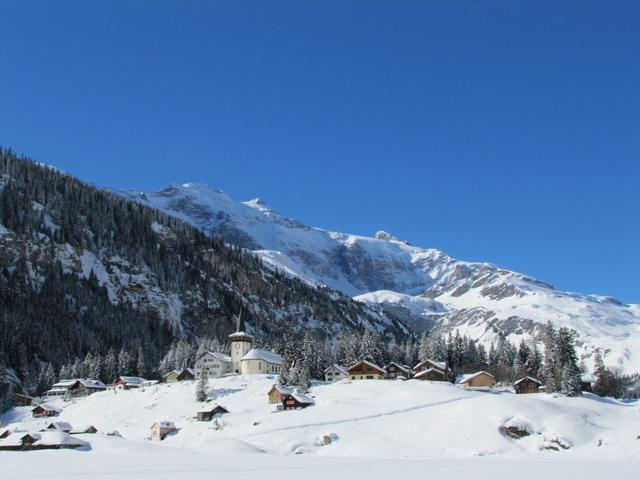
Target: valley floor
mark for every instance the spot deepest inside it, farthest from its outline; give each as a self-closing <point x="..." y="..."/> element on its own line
<point x="379" y="428"/>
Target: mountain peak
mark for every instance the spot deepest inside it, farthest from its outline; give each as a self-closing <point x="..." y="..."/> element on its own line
<point x="382" y="235"/>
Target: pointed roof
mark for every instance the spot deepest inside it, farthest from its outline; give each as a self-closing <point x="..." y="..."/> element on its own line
<point x="264" y="355"/>
<point x="367" y="362"/>
<point x="468" y="376"/>
<point x="535" y="380"/>
<point x="340" y="368"/>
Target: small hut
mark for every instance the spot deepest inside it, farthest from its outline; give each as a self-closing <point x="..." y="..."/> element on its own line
<point x="395" y="370"/>
<point x="365" y="370"/>
<point x="206" y="414"/>
<point x="59" y="427"/>
<point x="527" y="385"/>
<point x="160" y="430"/>
<point x="277" y="393"/>
<point x="294" y="401"/>
<point x="85" y="429"/>
<point x="180" y="375"/>
<point x="478" y="379"/>
<point x="45" y="410"/>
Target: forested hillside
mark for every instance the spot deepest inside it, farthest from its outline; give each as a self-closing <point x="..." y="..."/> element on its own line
<point x="83" y="270"/>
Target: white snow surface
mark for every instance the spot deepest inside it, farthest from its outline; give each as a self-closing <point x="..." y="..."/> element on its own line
<point x="428" y="285"/>
<point x="391" y="427"/>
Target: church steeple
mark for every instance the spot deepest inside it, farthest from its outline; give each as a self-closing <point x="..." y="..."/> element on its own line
<point x="240" y="343"/>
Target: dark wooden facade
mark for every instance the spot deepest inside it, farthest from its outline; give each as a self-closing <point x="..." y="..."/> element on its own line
<point x="365" y="371"/>
<point x="290" y="402"/>
<point x="395" y="370"/>
<point x="527" y="385"/>
<point x="206" y="415"/>
<point x="44" y="411"/>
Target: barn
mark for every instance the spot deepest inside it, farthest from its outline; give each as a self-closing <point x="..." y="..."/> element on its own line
<point x="294" y="401"/>
<point x="527" y="385"/>
<point x="206" y="414"/>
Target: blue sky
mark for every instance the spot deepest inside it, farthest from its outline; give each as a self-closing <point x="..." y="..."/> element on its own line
<point x="506" y="132"/>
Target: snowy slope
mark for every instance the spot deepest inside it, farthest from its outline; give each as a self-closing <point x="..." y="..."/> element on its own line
<point x="376" y="420"/>
<point x="425" y="287"/>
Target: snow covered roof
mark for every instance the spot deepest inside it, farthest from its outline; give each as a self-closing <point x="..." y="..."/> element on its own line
<point x="48" y="438"/>
<point x="282" y="389"/>
<point x="179" y="371"/>
<point x="424" y="372"/>
<point x="340" y="368"/>
<point x="240" y="334"/>
<point x="45" y="406"/>
<point x="406" y="368"/>
<point x="83" y="429"/>
<point x="468" y="376"/>
<point x="265" y="355"/>
<point x="527" y="378"/>
<point x="58" y="438"/>
<point x="440" y="365"/>
<point x="220" y="356"/>
<point x="92" y="383"/>
<point x="587" y="378"/>
<point x="211" y="408"/>
<point x="367" y="362"/>
<point x="302" y="398"/>
<point x="64" y="384"/>
<point x="132" y="380"/>
<point x="59" y="426"/>
<point x="164" y="424"/>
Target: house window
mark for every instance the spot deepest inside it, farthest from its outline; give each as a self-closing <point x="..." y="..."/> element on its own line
<point x="369" y="377"/>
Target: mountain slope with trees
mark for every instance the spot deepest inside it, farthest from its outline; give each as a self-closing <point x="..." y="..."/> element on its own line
<point x="85" y="271"/>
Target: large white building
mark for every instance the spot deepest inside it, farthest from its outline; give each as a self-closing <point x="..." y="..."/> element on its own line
<point x="214" y="364"/>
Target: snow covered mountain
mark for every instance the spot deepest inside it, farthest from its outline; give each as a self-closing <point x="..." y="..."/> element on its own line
<point x="425" y="287"/>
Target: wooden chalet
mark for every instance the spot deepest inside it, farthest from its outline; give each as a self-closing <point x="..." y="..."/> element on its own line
<point x="180" y="375"/>
<point x="294" y="401"/>
<point x="41" y="441"/>
<point x="160" y="430"/>
<point x="395" y="370"/>
<point x="527" y="385"/>
<point x="21" y="400"/>
<point x="86" y="429"/>
<point x="432" y="375"/>
<point x="128" y="383"/>
<point x="277" y="393"/>
<point x="438" y="371"/>
<point x="73" y="388"/>
<point x="475" y="380"/>
<point x="59" y="427"/>
<point x="206" y="414"/>
<point x="365" y="370"/>
<point x="45" y="410"/>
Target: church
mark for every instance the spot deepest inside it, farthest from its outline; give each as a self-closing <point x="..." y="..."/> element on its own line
<point x="244" y="359"/>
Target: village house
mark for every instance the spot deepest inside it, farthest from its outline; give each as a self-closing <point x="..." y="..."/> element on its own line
<point x="128" y="383"/>
<point x="335" y="373"/>
<point x="432" y="375"/>
<point x="475" y="380"/>
<point x="180" y="375"/>
<point x="41" y="441"/>
<point x="437" y="371"/>
<point x="77" y="387"/>
<point x="277" y="393"/>
<point x="207" y="413"/>
<point x="45" y="410"/>
<point x="395" y="370"/>
<point x="213" y="364"/>
<point x="10" y="431"/>
<point x="587" y="381"/>
<point x="83" y="430"/>
<point x="21" y="400"/>
<point x="365" y="370"/>
<point x="294" y="401"/>
<point x="160" y="430"/>
<point x="59" y="427"/>
<point x="527" y="385"/>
